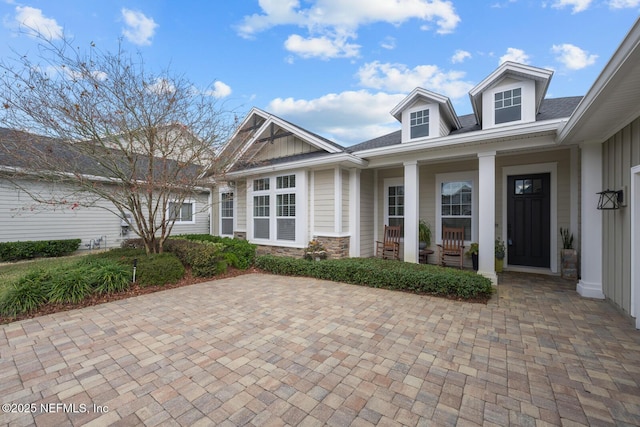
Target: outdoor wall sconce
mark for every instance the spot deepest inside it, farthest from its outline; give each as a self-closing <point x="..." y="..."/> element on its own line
<point x="611" y="199"/>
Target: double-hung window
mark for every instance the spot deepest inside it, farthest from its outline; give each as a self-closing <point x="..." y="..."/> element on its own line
<point x="508" y="106"/>
<point x="456" y="203"/>
<point x="275" y="209"/>
<point x="226" y="213"/>
<point x="394" y="203"/>
<point x="419" y="123"/>
<point x="182" y="212"/>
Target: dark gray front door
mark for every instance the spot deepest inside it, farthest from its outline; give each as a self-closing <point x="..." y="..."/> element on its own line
<point x="528" y="220"/>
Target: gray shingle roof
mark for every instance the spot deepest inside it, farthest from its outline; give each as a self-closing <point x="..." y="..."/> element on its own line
<point x="553" y="108"/>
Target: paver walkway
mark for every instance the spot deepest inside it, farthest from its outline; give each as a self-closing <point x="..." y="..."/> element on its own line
<point x="269" y="350"/>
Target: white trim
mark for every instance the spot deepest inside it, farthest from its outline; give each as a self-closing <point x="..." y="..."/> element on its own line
<point x="391" y="182"/>
<point x="329" y="159"/>
<point x="193" y="211"/>
<point x="354" y="212"/>
<point x="552" y="170"/>
<point x="337" y="206"/>
<point x="457" y="176"/>
<point x="312" y="202"/>
<point x="376" y="205"/>
<point x="221" y="190"/>
<point x="411" y="211"/>
<point x="634" y="202"/>
<point x="329" y="234"/>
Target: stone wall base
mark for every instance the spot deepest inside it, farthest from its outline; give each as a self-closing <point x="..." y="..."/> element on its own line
<point x="337" y="247"/>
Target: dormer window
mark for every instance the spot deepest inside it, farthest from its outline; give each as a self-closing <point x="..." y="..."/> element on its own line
<point x="508" y="106"/>
<point x="419" y="123"/>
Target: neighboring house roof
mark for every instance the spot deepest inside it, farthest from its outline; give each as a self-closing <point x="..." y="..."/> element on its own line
<point x="554" y="108"/>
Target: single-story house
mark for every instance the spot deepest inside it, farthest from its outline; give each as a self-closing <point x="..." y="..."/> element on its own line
<point x="518" y="169"/>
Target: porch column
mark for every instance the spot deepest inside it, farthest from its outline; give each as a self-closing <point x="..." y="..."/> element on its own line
<point x="411" y="211"/>
<point x="354" y="212"/>
<point x="487" y="215"/>
<point x="590" y="284"/>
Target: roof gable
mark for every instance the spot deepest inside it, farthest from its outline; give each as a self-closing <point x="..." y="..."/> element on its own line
<point x="420" y="94"/>
<point x="513" y="70"/>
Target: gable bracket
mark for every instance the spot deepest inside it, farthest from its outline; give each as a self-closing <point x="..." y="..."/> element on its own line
<point x="274" y="135"/>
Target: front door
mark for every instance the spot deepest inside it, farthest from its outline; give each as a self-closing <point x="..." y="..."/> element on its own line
<point x="528" y="220"/>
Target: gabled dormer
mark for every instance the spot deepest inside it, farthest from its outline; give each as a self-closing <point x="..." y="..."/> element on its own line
<point x="510" y="95"/>
<point x="425" y="115"/>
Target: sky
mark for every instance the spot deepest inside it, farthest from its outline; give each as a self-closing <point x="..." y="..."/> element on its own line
<point x="337" y="67"/>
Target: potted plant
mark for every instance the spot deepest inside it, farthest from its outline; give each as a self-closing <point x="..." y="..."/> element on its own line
<point x="424" y="234"/>
<point x="315" y="251"/>
<point x="473" y="253"/>
<point x="568" y="255"/>
<point x="499" y="252"/>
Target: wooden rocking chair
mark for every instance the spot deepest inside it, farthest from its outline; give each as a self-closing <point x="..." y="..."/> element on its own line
<point x="452" y="245"/>
<point x="390" y="247"/>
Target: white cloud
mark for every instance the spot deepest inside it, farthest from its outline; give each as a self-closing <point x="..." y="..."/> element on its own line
<point x="220" y="90"/>
<point x="161" y="86"/>
<point x="577" y="5"/>
<point x="400" y="78"/>
<point x="515" y="55"/>
<point x="460" y="56"/>
<point x="34" y="22"/>
<point x="321" y="47"/>
<point x="139" y="28"/>
<point x="333" y="22"/>
<point x="388" y="43"/>
<point x="622" y="4"/>
<point x="573" y="57"/>
<point x="354" y="116"/>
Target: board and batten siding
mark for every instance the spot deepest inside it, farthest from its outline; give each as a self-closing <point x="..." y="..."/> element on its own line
<point x="283" y="147"/>
<point x="324" y="201"/>
<point x="21" y="219"/>
<point x="620" y="153"/>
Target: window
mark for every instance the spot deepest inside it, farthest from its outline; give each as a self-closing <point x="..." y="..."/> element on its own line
<point x="261" y="217"/>
<point x="275" y="213"/>
<point x="226" y="214"/>
<point x="456" y="205"/>
<point x="182" y="212"/>
<point x="419" y="123"/>
<point x="508" y="106"/>
<point x="394" y="203"/>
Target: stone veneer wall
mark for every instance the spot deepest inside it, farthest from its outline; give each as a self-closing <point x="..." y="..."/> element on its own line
<point x="337" y="247"/>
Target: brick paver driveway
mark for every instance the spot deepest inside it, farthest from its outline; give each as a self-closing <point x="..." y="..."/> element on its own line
<point x="268" y="350"/>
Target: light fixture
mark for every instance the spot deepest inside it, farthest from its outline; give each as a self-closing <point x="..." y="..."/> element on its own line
<point x="611" y="199"/>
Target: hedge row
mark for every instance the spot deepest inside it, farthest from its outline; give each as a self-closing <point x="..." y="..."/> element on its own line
<point x="386" y="274"/>
<point x="238" y="253"/>
<point x="15" y="251"/>
<point x="205" y="258"/>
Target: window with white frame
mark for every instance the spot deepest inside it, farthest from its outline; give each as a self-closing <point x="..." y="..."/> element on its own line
<point x="280" y="223"/>
<point x="508" y="106"/>
<point x="419" y="123"/>
<point x="394" y="203"/>
<point x="182" y="212"/>
<point x="456" y="205"/>
<point x="226" y="213"/>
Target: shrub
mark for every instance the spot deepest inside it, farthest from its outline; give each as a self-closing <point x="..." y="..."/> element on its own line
<point x="238" y="253"/>
<point x="25" y="295"/>
<point x="159" y="269"/>
<point x="384" y="274"/>
<point x="14" y="251"/>
<point x="105" y="275"/>
<point x="69" y="284"/>
<point x="205" y="257"/>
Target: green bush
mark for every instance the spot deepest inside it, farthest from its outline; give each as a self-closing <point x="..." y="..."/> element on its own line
<point x="69" y="284"/>
<point x="159" y="269"/>
<point x="25" y="295"/>
<point x="205" y="257"/>
<point x="15" y="251"/>
<point x="238" y="253"/>
<point x="383" y="274"/>
<point x="106" y="275"/>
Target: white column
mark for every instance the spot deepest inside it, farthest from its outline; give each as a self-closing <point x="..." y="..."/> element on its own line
<point x="487" y="215"/>
<point x="354" y="212"/>
<point x="411" y="210"/>
<point x="590" y="284"/>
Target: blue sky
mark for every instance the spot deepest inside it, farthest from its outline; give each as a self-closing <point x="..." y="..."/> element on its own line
<point x="338" y="67"/>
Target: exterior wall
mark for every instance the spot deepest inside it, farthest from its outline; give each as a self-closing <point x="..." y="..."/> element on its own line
<point x="324" y="201"/>
<point x="367" y="186"/>
<point x="22" y="220"/>
<point x="345" y="201"/>
<point x="337" y="247"/>
<point x="283" y="147"/>
<point x="241" y="206"/>
<point x="621" y="152"/>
